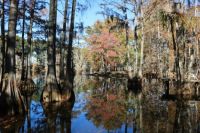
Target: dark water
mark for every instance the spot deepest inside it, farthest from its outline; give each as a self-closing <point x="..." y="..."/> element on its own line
<point x="107" y="106"/>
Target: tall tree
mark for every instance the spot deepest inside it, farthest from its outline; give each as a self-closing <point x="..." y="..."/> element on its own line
<point x="11" y="102"/>
<point x="63" y="39"/>
<point x="29" y="39"/>
<point x="3" y="39"/>
<point x="142" y="40"/>
<point x="172" y="20"/>
<point x="70" y="50"/>
<point x="51" y="92"/>
<point x="23" y="40"/>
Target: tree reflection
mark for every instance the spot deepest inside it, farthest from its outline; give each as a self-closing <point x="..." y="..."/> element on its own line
<point x="65" y="116"/>
<point x="134" y="109"/>
<point x="186" y="117"/>
<point x="28" y="115"/>
<point x="179" y="115"/>
<point x="58" y="116"/>
<point x="107" y="104"/>
<point x="107" y="110"/>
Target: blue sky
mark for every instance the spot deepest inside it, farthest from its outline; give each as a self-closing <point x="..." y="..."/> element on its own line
<point x="88" y="17"/>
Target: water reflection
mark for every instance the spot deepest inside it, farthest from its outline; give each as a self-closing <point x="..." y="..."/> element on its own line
<point x="178" y="115"/>
<point x="58" y="117"/>
<point x="52" y="118"/>
<point x="28" y="116"/>
<point x="110" y="105"/>
<point x="186" y="117"/>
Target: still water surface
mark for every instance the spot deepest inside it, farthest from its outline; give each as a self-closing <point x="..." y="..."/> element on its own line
<point x="107" y="106"/>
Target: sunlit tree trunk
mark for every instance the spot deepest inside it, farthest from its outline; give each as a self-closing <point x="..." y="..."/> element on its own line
<point x="29" y="40"/>
<point x="141" y="51"/>
<point x="70" y="50"/>
<point x="63" y="39"/>
<point x="160" y="66"/>
<point x="10" y="99"/>
<point x="23" y="30"/>
<point x="136" y="51"/>
<point x="142" y="43"/>
<point x="51" y="92"/>
<point x="66" y="81"/>
<point x="136" y="60"/>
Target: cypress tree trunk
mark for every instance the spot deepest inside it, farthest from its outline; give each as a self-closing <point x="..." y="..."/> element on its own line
<point x="142" y="43"/>
<point x="29" y="40"/>
<point x="3" y="41"/>
<point x="62" y="44"/>
<point x="136" y="51"/>
<point x="10" y="100"/>
<point x="51" y="92"/>
<point x="23" y="28"/>
<point x="27" y="86"/>
<point x="176" y="52"/>
<point x="141" y="51"/>
<point x="66" y="85"/>
<point x="70" y="50"/>
<point x="136" y="60"/>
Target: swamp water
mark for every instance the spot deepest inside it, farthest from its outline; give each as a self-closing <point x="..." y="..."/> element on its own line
<point x="105" y="105"/>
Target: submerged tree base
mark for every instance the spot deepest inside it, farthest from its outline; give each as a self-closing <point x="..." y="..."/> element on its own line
<point x="51" y="92"/>
<point x="66" y="90"/>
<point x="11" y="102"/>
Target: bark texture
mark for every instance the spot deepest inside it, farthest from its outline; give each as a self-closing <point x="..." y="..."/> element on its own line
<point x="70" y="72"/>
<point x="11" y="102"/>
<point x="51" y="92"/>
<point x="62" y="44"/>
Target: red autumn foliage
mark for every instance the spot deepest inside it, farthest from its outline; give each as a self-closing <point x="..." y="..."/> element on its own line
<point x="104" y="44"/>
